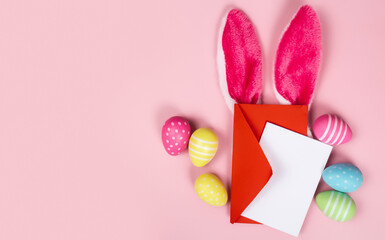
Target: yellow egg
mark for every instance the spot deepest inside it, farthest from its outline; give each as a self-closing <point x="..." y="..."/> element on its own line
<point x="211" y="190"/>
<point x="202" y="146"/>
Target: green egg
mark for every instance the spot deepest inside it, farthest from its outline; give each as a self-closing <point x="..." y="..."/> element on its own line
<point x="336" y="205"/>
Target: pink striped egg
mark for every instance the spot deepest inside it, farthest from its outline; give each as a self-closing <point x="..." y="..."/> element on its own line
<point x="175" y="135"/>
<point x="332" y="130"/>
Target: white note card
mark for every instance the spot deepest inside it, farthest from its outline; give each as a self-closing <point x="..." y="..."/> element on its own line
<point x="297" y="162"/>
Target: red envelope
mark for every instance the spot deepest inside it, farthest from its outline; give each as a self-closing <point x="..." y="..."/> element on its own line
<point x="250" y="169"/>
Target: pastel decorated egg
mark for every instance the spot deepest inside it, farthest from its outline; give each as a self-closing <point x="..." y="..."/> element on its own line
<point x="336" y="205"/>
<point x="343" y="177"/>
<point x="332" y="130"/>
<point x="175" y="135"/>
<point x="202" y="146"/>
<point x="211" y="190"/>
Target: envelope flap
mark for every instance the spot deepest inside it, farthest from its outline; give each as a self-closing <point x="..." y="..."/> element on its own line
<point x="248" y="161"/>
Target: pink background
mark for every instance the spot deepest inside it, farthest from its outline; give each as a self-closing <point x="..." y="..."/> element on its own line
<point x="85" y="87"/>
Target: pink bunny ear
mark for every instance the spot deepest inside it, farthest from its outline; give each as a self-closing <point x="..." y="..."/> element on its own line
<point x="242" y="54"/>
<point x="298" y="58"/>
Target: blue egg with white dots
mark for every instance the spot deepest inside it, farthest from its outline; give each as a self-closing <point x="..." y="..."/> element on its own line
<point x="343" y="177"/>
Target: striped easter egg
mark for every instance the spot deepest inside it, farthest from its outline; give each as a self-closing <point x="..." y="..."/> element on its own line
<point x="336" y="205"/>
<point x="332" y="130"/>
<point x="202" y="146"/>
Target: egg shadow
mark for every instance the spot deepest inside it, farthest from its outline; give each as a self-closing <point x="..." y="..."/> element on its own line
<point x="195" y="172"/>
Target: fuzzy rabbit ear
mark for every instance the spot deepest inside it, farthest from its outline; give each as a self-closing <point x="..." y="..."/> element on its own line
<point x="298" y="59"/>
<point x="239" y="60"/>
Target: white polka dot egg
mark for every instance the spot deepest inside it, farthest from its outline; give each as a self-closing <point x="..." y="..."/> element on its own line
<point x="343" y="177"/>
<point x="211" y="190"/>
<point x="175" y="135"/>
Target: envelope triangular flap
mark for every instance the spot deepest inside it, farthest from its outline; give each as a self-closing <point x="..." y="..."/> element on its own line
<point x="248" y="161"/>
<point x="250" y="168"/>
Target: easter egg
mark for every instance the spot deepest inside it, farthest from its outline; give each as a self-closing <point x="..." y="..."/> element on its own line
<point x="332" y="130"/>
<point x="211" y="190"/>
<point x="175" y="135"/>
<point x="336" y="205"/>
<point x="343" y="177"/>
<point x="202" y="146"/>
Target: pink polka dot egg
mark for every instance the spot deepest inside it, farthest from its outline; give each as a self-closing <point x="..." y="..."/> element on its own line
<point x="332" y="130"/>
<point x="175" y="135"/>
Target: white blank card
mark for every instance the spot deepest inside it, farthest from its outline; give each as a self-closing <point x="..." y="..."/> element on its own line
<point x="297" y="162"/>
